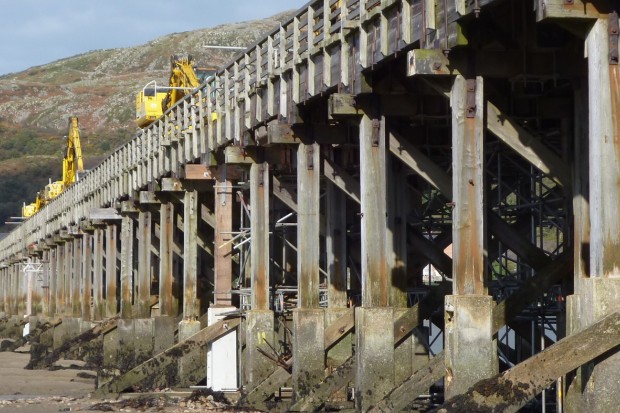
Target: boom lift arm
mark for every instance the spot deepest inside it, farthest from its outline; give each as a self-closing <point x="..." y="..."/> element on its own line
<point x="153" y="100"/>
<point x="72" y="164"/>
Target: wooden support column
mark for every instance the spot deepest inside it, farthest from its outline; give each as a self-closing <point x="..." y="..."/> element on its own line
<point x="21" y="289"/>
<point x="45" y="276"/>
<point x="396" y="242"/>
<point x="581" y="240"/>
<point x="336" y="246"/>
<point x="126" y="241"/>
<point x="111" y="271"/>
<point x="308" y="224"/>
<point x="260" y="320"/>
<point x="373" y="190"/>
<point x="53" y="277"/>
<point x="98" y="305"/>
<point x="86" y="280"/>
<point x="68" y="277"/>
<point x="143" y="324"/>
<point x="168" y="303"/>
<point x="375" y="347"/>
<point x="308" y="318"/>
<point x="60" y="278"/>
<point x="143" y="301"/>
<point x="259" y="232"/>
<point x="223" y="248"/>
<point x="125" y="347"/>
<point x="601" y="292"/>
<point x="2" y="292"/>
<point x="77" y="275"/>
<point x="191" y="305"/>
<point x="468" y="230"/>
<point x="166" y="325"/>
<point x="469" y="357"/>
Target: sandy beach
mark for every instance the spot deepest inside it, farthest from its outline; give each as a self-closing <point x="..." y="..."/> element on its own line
<point x="67" y="388"/>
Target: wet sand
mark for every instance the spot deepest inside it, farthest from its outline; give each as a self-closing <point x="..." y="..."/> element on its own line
<point x="68" y="388"/>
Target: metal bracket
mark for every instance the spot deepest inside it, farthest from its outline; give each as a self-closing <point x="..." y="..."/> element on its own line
<point x="614" y="30"/>
<point x="470" y="110"/>
<point x="376" y="127"/>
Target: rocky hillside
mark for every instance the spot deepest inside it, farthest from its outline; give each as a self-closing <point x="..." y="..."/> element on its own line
<point x="99" y="87"/>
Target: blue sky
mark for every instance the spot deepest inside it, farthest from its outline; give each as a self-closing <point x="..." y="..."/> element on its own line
<point x="35" y="32"/>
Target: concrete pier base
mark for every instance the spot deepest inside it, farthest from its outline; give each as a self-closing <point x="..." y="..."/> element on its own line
<point x="308" y="350"/>
<point x="342" y="350"/>
<point x="68" y="329"/>
<point x="143" y="339"/>
<point x="260" y="331"/>
<point x="110" y="363"/>
<point x="91" y="350"/>
<point x="222" y="366"/>
<point x="165" y="328"/>
<point x="12" y="328"/>
<point x="600" y="379"/>
<point x="574" y="382"/>
<point x="471" y="353"/>
<point x="126" y="345"/>
<point x="375" y="355"/>
<point x="410" y="354"/>
<point x="192" y="365"/>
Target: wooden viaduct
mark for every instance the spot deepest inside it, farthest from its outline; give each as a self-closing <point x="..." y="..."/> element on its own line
<point x="379" y="197"/>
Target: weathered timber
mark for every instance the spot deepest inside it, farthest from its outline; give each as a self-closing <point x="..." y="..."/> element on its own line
<point x="33" y="335"/>
<point x="413" y="316"/>
<point x="573" y="9"/>
<point x="398" y="399"/>
<point x="471" y="353"/>
<point x="260" y="395"/>
<point x="308" y="220"/>
<point x="403" y="326"/>
<point x="287" y="195"/>
<point x="259" y="199"/>
<point x="440" y="179"/>
<point x="503" y="313"/>
<point x="512" y="389"/>
<point x="342" y="179"/>
<point x="151" y="370"/>
<point x="339" y="328"/>
<point x="527" y="145"/>
<point x="434" y="62"/>
<point x="531" y="289"/>
<point x="72" y="345"/>
<point x="319" y="395"/>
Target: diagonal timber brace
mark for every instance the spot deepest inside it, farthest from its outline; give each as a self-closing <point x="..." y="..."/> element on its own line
<point x="145" y="374"/>
<point x="74" y="344"/>
<point x="512" y="389"/>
